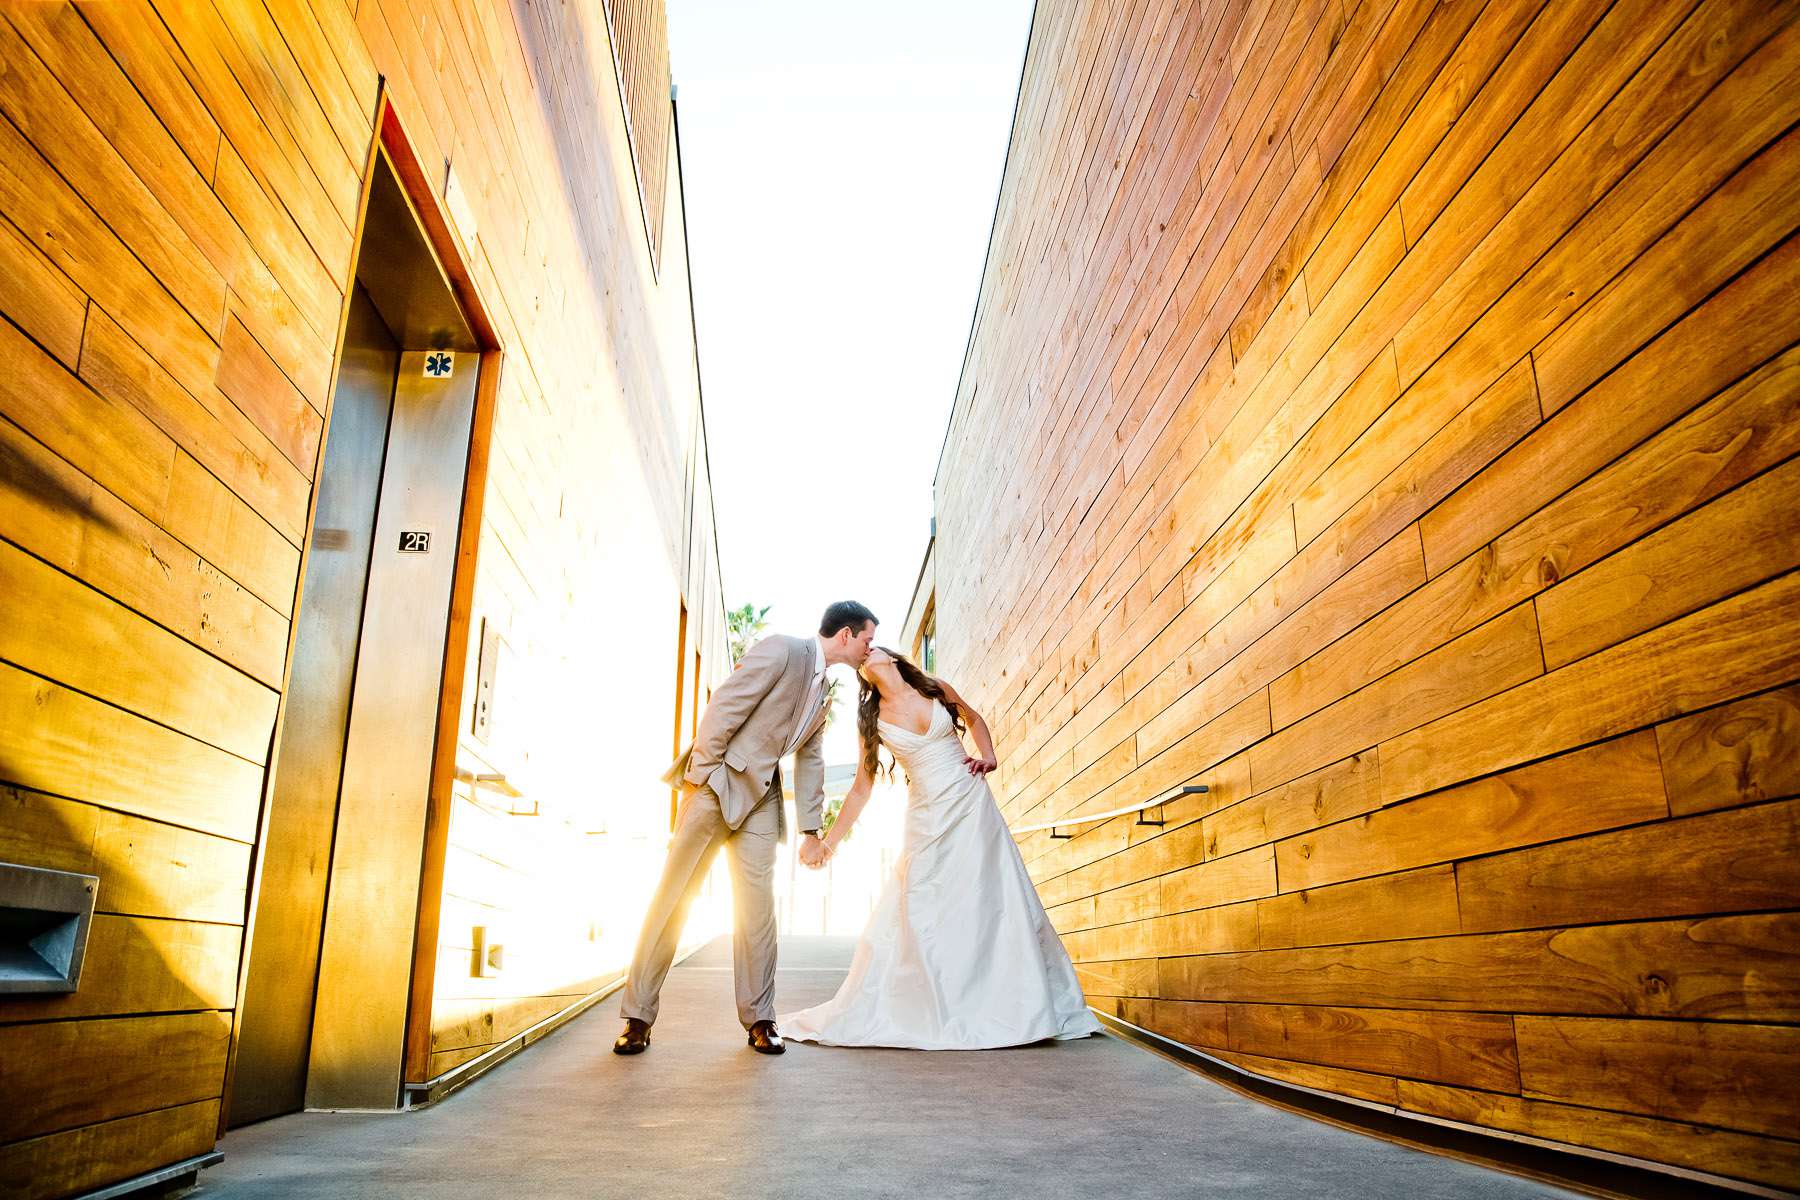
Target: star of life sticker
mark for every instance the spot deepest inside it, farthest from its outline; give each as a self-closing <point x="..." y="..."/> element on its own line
<point x="440" y="364"/>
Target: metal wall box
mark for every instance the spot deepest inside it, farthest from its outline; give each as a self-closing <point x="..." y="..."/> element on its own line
<point x="44" y="920"/>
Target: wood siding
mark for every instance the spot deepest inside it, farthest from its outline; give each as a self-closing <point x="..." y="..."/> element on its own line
<point x="179" y="198"/>
<point x="1384" y="412"/>
<point x="640" y="38"/>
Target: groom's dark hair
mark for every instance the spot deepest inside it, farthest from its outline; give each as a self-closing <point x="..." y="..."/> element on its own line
<point x="845" y="614"/>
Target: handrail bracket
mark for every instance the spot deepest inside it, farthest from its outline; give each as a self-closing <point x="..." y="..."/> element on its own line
<point x="1143" y="817"/>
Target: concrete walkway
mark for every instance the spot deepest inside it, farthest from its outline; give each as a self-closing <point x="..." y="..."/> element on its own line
<point x="701" y="1115"/>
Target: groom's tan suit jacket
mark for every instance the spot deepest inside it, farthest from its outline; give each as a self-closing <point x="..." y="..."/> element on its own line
<point x="751" y="721"/>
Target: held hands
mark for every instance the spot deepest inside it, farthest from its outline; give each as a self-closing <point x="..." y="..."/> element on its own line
<point x="979" y="764"/>
<point x="813" y="852"/>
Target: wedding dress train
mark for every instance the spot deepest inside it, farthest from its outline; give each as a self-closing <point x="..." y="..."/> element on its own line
<point x="958" y="954"/>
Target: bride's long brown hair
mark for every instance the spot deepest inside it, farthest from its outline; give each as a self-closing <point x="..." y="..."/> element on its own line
<point x="868" y="707"/>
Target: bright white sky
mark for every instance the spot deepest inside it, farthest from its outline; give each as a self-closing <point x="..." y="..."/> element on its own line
<point x="841" y="162"/>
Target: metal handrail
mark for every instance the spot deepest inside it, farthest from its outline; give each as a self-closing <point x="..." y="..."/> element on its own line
<point x="1091" y="818"/>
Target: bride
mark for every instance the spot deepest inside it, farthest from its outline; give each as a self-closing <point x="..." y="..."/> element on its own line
<point x="958" y="954"/>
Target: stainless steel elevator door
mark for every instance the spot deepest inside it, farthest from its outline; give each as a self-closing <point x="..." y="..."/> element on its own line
<point x="277" y="1007"/>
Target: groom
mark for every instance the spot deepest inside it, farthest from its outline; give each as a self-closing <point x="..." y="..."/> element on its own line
<point x="773" y="705"/>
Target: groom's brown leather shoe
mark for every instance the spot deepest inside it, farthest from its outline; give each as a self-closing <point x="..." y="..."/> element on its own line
<point x="635" y="1039"/>
<point x="765" y="1039"/>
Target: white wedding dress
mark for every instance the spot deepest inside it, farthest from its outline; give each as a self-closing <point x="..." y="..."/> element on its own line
<point x="958" y="954"/>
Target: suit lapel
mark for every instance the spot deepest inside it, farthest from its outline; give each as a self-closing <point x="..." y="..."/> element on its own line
<point x="798" y="681"/>
<point x="812" y="726"/>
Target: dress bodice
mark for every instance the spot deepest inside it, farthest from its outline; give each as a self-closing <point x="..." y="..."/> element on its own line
<point x="928" y="757"/>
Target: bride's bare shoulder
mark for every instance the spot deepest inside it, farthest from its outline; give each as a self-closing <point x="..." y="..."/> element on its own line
<point x="953" y="698"/>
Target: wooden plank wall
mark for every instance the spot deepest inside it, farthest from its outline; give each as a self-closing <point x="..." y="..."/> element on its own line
<point x="598" y="475"/>
<point x="175" y="236"/>
<point x="640" y="33"/>
<point x="179" y="186"/>
<point x="1385" y="413"/>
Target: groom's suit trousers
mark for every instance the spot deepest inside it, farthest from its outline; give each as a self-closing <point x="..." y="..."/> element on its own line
<point x="700" y="830"/>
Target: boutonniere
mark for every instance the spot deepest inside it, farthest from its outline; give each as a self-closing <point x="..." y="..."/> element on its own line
<point x="831" y="696"/>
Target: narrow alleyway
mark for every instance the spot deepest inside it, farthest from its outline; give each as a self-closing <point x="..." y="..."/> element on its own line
<point x="700" y="1115"/>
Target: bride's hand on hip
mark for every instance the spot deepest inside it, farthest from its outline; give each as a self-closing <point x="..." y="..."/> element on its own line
<point x="979" y="765"/>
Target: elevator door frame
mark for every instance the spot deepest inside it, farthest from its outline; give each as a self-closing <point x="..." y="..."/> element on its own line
<point x="392" y="145"/>
<point x="276" y="1005"/>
